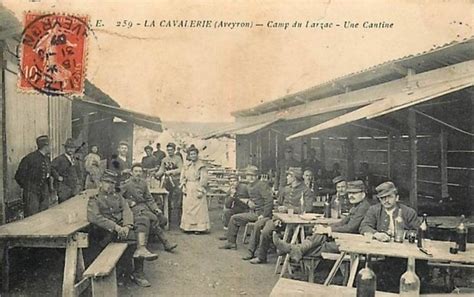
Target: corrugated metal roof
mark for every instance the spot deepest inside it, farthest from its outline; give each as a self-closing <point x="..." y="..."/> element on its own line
<point x="438" y="56"/>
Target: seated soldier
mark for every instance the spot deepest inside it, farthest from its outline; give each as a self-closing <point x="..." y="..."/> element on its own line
<point x="319" y="242"/>
<point x="380" y="218"/>
<point x="145" y="211"/>
<point x="341" y="194"/>
<point x="296" y="196"/>
<point x="112" y="220"/>
<point x="260" y="204"/>
<point x="233" y="204"/>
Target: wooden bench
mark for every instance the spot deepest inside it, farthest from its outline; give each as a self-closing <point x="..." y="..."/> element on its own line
<point x="310" y="264"/>
<point x="102" y="271"/>
<point x="247" y="231"/>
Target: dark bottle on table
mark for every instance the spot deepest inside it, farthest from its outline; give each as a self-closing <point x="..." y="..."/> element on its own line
<point x="422" y="231"/>
<point x="366" y="281"/>
<point x="327" y="209"/>
<point x="461" y="235"/>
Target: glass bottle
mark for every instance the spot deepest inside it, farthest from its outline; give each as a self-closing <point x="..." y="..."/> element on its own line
<point x="366" y="281"/>
<point x="327" y="209"/>
<point x="461" y="235"/>
<point x="409" y="281"/>
<point x="422" y="231"/>
<point x="336" y="207"/>
<point x="399" y="228"/>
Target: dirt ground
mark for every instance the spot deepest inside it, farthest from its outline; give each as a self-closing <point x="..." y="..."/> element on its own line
<point x="197" y="268"/>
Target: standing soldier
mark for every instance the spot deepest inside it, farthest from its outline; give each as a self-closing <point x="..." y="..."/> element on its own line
<point x="112" y="220"/>
<point x="159" y="154"/>
<point x="170" y="172"/>
<point x="65" y="172"/>
<point x="149" y="162"/>
<point x="34" y="176"/>
<point x="145" y="210"/>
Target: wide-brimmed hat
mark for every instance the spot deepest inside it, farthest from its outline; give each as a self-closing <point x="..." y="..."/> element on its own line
<point x="109" y="176"/>
<point x="338" y="179"/>
<point x="251" y="170"/>
<point x="297" y="172"/>
<point x="70" y="143"/>
<point x="385" y="189"/>
<point x="355" y="186"/>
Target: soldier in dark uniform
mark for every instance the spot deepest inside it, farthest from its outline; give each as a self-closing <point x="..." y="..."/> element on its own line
<point x="34" y="177"/>
<point x="159" y="154"/>
<point x="65" y="171"/>
<point x="260" y="204"/>
<point x="170" y="171"/>
<point x="149" y="162"/>
<point x="120" y="162"/>
<point x="284" y="165"/>
<point x="112" y="220"/>
<point x="233" y="204"/>
<point x="146" y="212"/>
<point x="341" y="194"/>
<point x="297" y="196"/>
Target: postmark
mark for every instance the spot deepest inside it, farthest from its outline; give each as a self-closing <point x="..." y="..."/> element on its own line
<point x="53" y="54"/>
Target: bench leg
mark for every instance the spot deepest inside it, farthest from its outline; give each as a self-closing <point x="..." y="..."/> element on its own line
<point x="4" y="261"/>
<point x="70" y="268"/>
<point x="105" y="286"/>
<point x="334" y="269"/>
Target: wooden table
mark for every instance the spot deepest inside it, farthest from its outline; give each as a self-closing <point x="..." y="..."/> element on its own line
<point x="296" y="224"/>
<point x="356" y="245"/>
<point x="449" y="222"/>
<point x="163" y="193"/>
<point x="57" y="227"/>
<point x="293" y="288"/>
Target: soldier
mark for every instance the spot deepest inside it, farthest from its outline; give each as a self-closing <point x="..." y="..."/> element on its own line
<point x="319" y="242"/>
<point x="65" y="171"/>
<point x="34" y="177"/>
<point x="159" y="154"/>
<point x="233" y="204"/>
<point x="170" y="171"/>
<point x="297" y="196"/>
<point x="341" y="194"/>
<point x="149" y="162"/>
<point x="308" y="178"/>
<point x="112" y="220"/>
<point x="280" y="178"/>
<point x="260" y="204"/>
<point x="120" y="163"/>
<point x="146" y="212"/>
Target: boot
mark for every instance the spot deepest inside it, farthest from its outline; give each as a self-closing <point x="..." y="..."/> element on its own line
<point x="142" y="251"/>
<point x="169" y="247"/>
<point x="248" y="255"/>
<point x="138" y="276"/>
<point x="282" y="247"/>
<point x="299" y="250"/>
<point x="228" y="246"/>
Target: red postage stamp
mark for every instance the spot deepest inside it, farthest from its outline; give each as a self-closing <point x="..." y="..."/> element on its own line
<point x="53" y="53"/>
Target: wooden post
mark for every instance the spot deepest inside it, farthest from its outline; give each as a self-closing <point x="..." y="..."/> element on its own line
<point x="443" y="139"/>
<point x="470" y="191"/>
<point x="390" y="156"/>
<point x="3" y="133"/>
<point x="350" y="158"/>
<point x="323" y="153"/>
<point x="413" y="159"/>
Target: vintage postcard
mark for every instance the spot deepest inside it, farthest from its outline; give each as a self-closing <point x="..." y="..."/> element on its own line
<point x="236" y="148"/>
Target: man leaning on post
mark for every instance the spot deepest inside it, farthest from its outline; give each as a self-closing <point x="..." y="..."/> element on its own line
<point x="260" y="204"/>
<point x="112" y="220"/>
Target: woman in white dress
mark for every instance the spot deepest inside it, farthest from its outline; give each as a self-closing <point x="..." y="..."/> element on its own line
<point x="92" y="166"/>
<point x="193" y="181"/>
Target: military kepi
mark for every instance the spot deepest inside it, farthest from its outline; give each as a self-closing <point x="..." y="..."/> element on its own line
<point x="297" y="172"/>
<point x="109" y="176"/>
<point x="338" y="179"/>
<point x="385" y="189"/>
<point x="42" y="141"/>
<point x="355" y="186"/>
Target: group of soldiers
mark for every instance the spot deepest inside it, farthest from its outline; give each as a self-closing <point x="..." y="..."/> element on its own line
<point x="122" y="210"/>
<point x="252" y="201"/>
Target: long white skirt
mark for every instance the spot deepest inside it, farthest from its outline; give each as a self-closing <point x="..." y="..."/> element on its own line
<point x="195" y="213"/>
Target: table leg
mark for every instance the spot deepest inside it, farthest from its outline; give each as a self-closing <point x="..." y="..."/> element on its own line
<point x="302" y="234"/>
<point x="285" y="239"/>
<point x="70" y="268"/>
<point x="355" y="258"/>
<point x="5" y="266"/>
<point x="334" y="269"/>
<point x="166" y="211"/>
<point x="294" y="238"/>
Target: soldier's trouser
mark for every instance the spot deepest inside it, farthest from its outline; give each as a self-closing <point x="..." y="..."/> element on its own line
<point x="315" y="245"/>
<point x="175" y="205"/>
<point x="229" y="212"/>
<point x="256" y="232"/>
<point x="266" y="239"/>
<point x="144" y="220"/>
<point x="35" y="201"/>
<point x="237" y="221"/>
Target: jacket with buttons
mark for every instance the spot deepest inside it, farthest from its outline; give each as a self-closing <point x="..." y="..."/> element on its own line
<point x="351" y="223"/>
<point x="377" y="219"/>
<point x="33" y="172"/>
<point x="298" y="198"/>
<point x="109" y="211"/>
<point x="138" y="196"/>
<point x="261" y="194"/>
